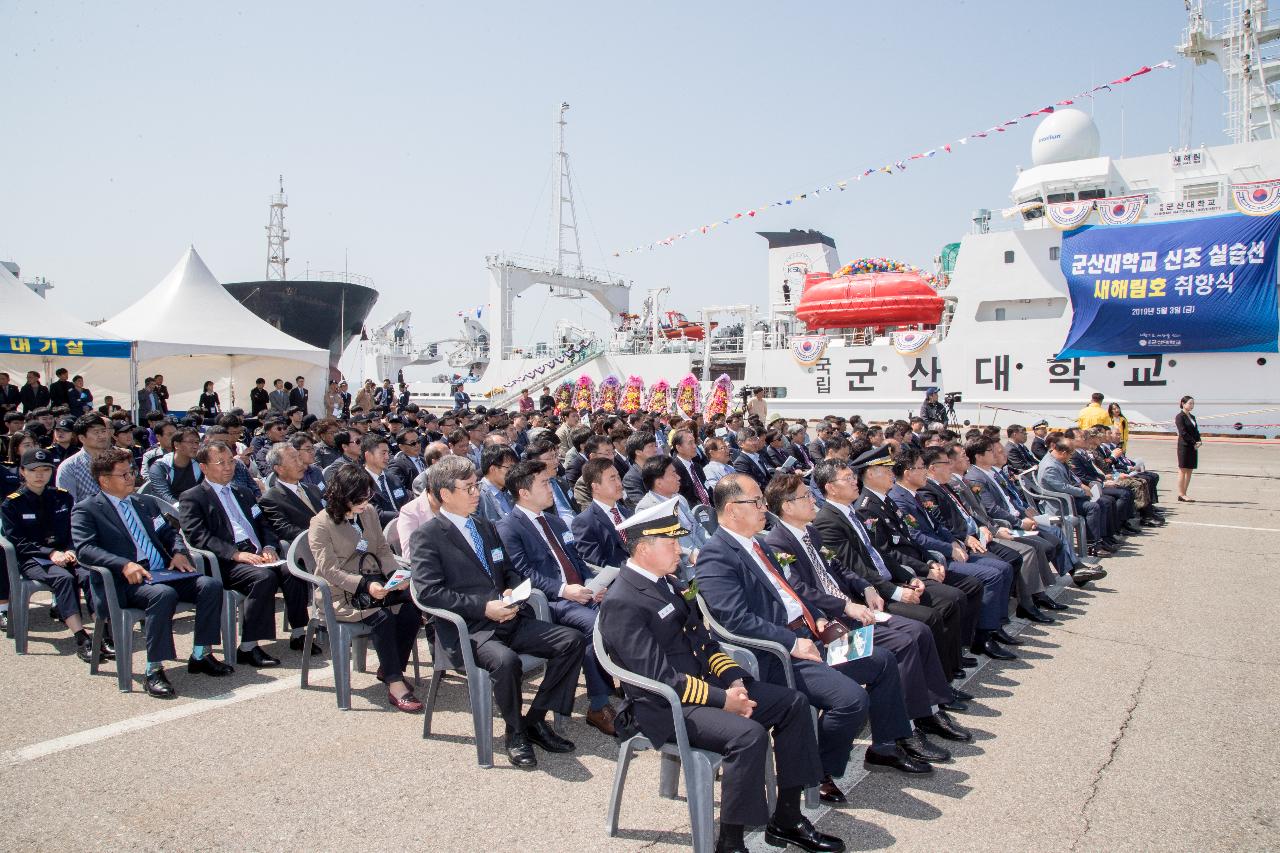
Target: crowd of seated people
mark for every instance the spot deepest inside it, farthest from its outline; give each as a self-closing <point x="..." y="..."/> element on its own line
<point x="782" y="531"/>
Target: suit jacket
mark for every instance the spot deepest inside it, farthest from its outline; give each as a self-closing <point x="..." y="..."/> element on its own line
<point x="804" y="459"/>
<point x="597" y="538"/>
<point x="817" y="450"/>
<point x="405" y="470"/>
<point x="760" y="472"/>
<point x="992" y="496"/>
<point x="944" y="513"/>
<point x="206" y="526"/>
<point x="10" y="396"/>
<point x="148" y="402"/>
<point x="300" y="397"/>
<point x="101" y="539"/>
<point x="687" y="489"/>
<point x="743" y="600"/>
<point x="1085" y="469"/>
<point x="531" y="556"/>
<point x="889" y="532"/>
<point x="448" y="575"/>
<point x="851" y="555"/>
<point x="803" y="574"/>
<point x="1020" y="457"/>
<point x="650" y="629"/>
<point x="35" y="398"/>
<point x="389" y="506"/>
<point x="1038" y="447"/>
<point x="1055" y="477"/>
<point x="288" y="516"/>
<point x="633" y="485"/>
<point x="340" y="564"/>
<point x="1188" y="429"/>
<point x="923" y="532"/>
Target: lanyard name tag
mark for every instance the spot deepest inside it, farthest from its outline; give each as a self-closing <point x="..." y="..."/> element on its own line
<point x="398" y="493"/>
<point x="256" y="511"/>
<point x="159" y="522"/>
<point x="362" y="545"/>
<point x="495" y="555"/>
<point x="28" y="516"/>
<point x="567" y="537"/>
<point x="666" y="611"/>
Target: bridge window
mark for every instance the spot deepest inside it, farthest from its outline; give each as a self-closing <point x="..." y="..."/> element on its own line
<point x="1008" y="256"/>
<point x="1055" y="252"/>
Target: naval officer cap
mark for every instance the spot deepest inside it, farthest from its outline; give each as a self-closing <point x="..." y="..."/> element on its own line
<point x="37" y="459"/>
<point x="1040" y="423"/>
<point x="875" y="456"/>
<point x="658" y="520"/>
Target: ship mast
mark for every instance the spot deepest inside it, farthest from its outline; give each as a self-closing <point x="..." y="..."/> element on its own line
<point x="1244" y="48"/>
<point x="277" y="236"/>
<point x="568" y="246"/>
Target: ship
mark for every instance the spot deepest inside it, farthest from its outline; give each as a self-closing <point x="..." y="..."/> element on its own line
<point x="325" y="309"/>
<point x="1024" y="319"/>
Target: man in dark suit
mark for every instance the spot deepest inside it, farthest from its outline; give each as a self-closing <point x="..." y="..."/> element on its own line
<point x="289" y="504"/>
<point x="1117" y="500"/>
<point x="388" y="497"/>
<point x="595" y="530"/>
<point x="300" y="396"/>
<point x="1020" y="456"/>
<point x="641" y="446"/>
<point x="541" y="548"/>
<point x="223" y="518"/>
<point x="126" y="534"/>
<point x="1054" y="475"/>
<point x="797" y="447"/>
<point x="407" y="463"/>
<point x="1039" y="447"/>
<point x="148" y="399"/>
<point x="33" y="395"/>
<point x="650" y="626"/>
<point x="925" y="686"/>
<point x="459" y="564"/>
<point x="751" y="460"/>
<point x="692" y="484"/>
<point x="9" y="393"/>
<point x="745" y="589"/>
<point x="893" y="587"/>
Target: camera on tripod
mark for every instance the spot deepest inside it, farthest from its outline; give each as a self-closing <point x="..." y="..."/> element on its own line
<point x="951" y="398"/>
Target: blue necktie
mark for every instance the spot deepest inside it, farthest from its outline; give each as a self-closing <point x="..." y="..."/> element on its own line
<point x="876" y="559"/>
<point x="141" y="541"/>
<point x="1010" y="491"/>
<point x="477" y="545"/>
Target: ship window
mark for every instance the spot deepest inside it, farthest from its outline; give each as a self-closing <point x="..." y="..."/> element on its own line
<point x="1194" y="192"/>
<point x="1055" y="252"/>
<point x="1008" y="257"/>
<point x="999" y="310"/>
<point x="1054" y="198"/>
<point x="1085" y="195"/>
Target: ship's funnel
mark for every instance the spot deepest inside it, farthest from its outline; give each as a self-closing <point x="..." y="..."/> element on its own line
<point x="793" y="255"/>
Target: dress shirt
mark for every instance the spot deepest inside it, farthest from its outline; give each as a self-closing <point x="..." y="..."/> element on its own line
<point x="644" y="573"/>
<point x="820" y="571"/>
<point x="794" y="611"/>
<point x="458" y="521"/>
<point x="533" y="516"/>
<point x="143" y="549"/>
<point x="241" y="527"/>
<point x="301" y="493"/>
<point x="990" y="475"/>
<point x="876" y="559"/>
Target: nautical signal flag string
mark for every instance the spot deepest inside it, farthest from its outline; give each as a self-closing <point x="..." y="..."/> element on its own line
<point x="896" y="165"/>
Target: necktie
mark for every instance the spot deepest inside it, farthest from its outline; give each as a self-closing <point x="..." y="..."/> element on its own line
<point x="876" y="559"/>
<point x="301" y="492"/>
<point x="617" y="523"/>
<point x="786" y="587"/>
<point x="477" y="545"/>
<point x="970" y="525"/>
<point x="571" y="574"/>
<point x="386" y="489"/>
<point x="236" y="516"/>
<point x="820" y="569"/>
<point x="141" y="541"/>
<point x="697" y="485"/>
<point x="1010" y="492"/>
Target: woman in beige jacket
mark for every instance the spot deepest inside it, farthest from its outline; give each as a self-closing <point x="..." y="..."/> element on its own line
<point x="353" y="557"/>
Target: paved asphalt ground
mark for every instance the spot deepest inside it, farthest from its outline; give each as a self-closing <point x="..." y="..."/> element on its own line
<point x="1144" y="720"/>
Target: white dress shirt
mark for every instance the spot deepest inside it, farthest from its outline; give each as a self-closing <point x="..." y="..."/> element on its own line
<point x="788" y="600"/>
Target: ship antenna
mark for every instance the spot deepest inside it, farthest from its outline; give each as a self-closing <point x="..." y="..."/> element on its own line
<point x="277" y="236"/>
<point x="567" y="242"/>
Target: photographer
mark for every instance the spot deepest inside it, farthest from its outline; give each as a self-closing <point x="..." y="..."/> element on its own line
<point x="354" y="559"/>
<point x="931" y="410"/>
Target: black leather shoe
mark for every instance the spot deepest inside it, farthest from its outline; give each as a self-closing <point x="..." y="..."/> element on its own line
<point x="944" y="727"/>
<point x="1045" y="601"/>
<point x="256" y="657"/>
<point x="158" y="686"/>
<point x="4" y="621"/>
<point x="918" y="747"/>
<point x="899" y="761"/>
<point x="723" y="845"/>
<point x="960" y="695"/>
<point x="968" y="662"/>
<point x="520" y="751"/>
<point x="994" y="650"/>
<point x="295" y="644"/>
<point x="1085" y="564"/>
<point x="84" y="651"/>
<point x="803" y="835"/>
<point x="108" y="649"/>
<point x="1153" y="522"/>
<point x="209" y="665"/>
<point x="1133" y="526"/>
<point x="544" y="736"/>
<point x="1002" y="637"/>
<point x="955" y="706"/>
<point x="829" y="792"/>
<point x="1034" y="614"/>
<point x="1084" y="576"/>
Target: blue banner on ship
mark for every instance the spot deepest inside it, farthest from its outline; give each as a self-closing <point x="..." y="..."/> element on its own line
<point x="33" y="345"/>
<point x="1200" y="285"/>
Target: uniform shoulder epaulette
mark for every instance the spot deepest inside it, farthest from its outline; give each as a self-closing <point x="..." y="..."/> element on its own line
<point x="64" y="491"/>
<point x="15" y="494"/>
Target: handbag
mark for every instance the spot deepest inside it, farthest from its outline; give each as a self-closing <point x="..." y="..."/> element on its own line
<point x="362" y="599"/>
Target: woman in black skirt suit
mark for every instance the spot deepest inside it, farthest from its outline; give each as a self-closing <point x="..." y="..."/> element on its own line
<point x="1188" y="445"/>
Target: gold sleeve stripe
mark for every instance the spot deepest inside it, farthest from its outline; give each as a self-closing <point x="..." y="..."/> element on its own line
<point x="701" y="698"/>
<point x="691" y="685"/>
<point x="720" y="663"/>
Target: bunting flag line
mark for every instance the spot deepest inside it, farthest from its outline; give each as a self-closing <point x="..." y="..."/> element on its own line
<point x="898" y="165"/>
<point x="1120" y="210"/>
<point x="1068" y="214"/>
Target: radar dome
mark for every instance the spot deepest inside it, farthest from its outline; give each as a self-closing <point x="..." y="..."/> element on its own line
<point x="1063" y="136"/>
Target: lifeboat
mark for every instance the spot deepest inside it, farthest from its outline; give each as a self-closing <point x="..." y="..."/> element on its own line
<point x="876" y="299"/>
<point x="678" y="326"/>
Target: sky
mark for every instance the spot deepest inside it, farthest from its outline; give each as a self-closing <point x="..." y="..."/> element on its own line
<point x="417" y="138"/>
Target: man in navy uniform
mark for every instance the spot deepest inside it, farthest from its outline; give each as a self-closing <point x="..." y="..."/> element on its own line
<point x="37" y="520"/>
<point x="650" y="626"/>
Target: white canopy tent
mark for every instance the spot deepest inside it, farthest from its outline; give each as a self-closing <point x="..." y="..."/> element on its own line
<point x="190" y="329"/>
<point x="36" y="335"/>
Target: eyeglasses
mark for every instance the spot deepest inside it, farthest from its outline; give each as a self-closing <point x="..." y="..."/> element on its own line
<point x="130" y="474"/>
<point x="916" y="468"/>
<point x="759" y="502"/>
<point x="805" y="497"/>
<point x="408" y="444"/>
<point x="473" y="489"/>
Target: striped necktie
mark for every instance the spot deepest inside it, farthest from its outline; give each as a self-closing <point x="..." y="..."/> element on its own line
<point x="141" y="541"/>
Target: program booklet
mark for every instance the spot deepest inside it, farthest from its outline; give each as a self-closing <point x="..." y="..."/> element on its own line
<point x="519" y="594"/>
<point x="603" y="578"/>
<point x="852" y="646"/>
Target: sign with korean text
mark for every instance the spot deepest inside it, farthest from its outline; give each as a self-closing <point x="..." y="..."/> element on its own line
<point x="1193" y="285"/>
<point x="57" y="347"/>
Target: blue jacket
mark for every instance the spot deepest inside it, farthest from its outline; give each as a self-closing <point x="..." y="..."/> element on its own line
<point x="924" y="533"/>
<point x="597" y="538"/>
<point x="530" y="555"/>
